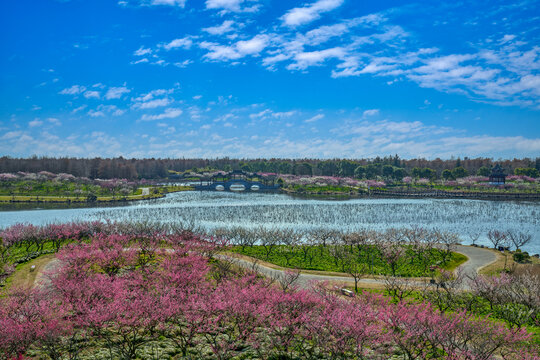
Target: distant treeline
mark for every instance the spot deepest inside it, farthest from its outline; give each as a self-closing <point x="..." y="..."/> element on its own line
<point x="387" y="167"/>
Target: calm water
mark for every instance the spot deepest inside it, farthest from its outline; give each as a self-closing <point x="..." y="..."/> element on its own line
<point x="211" y="209"/>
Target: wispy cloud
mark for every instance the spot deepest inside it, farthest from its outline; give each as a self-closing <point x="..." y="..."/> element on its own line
<point x="184" y="43"/>
<point x="235" y="6"/>
<point x="142" y="51"/>
<point x="151" y="104"/>
<point x="309" y="12"/>
<point x="314" y="118"/>
<point x="116" y="92"/>
<point x="91" y="94"/>
<point x="236" y="51"/>
<point x="371" y="112"/>
<point x="35" y="123"/>
<point x="225" y="27"/>
<point x="176" y="3"/>
<point x="73" y="90"/>
<point x="169" y="113"/>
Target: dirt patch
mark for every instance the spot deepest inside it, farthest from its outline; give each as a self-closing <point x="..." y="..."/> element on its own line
<point x="533" y="269"/>
<point x="42" y="278"/>
<point x="498" y="266"/>
<point x="25" y="277"/>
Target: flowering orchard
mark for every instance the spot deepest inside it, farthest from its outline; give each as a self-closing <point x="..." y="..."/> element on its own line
<point x="127" y="292"/>
<point x="474" y="183"/>
<point x="45" y="183"/>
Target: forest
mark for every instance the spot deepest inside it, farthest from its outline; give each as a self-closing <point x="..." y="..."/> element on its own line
<point x="389" y="167"/>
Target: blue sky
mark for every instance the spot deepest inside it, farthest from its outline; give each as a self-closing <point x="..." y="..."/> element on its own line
<point x="267" y="78"/>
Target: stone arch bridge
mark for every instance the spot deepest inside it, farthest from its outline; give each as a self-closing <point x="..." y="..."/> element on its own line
<point x="236" y="181"/>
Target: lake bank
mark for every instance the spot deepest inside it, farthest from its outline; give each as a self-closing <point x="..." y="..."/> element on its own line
<point x="210" y="210"/>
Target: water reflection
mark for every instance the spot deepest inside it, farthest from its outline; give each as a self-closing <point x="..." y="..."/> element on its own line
<point x="212" y="209"/>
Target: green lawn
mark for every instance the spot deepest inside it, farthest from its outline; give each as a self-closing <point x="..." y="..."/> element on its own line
<point x="321" y="258"/>
<point x="320" y="189"/>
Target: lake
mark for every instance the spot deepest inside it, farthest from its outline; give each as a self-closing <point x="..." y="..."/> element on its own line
<point x="215" y="209"/>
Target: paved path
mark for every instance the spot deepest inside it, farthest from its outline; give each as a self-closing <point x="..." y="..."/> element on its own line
<point x="145" y="191"/>
<point x="478" y="258"/>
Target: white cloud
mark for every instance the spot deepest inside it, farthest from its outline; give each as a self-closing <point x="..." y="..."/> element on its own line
<point x="96" y="113"/>
<point x="315" y="58"/>
<point x="152" y="94"/>
<point x="169" y="113"/>
<point x="371" y="112"/>
<point x="116" y="92"/>
<point x="183" y="64"/>
<point x="54" y="121"/>
<point x="314" y="118"/>
<point x="284" y="114"/>
<point x="77" y="109"/>
<point x="220" y="52"/>
<point x="507" y="38"/>
<point x="184" y="43"/>
<point x="309" y="12"/>
<point x="91" y="94"/>
<point x="225" y="27"/>
<point x="236" y="51"/>
<point x="261" y="114"/>
<point x="11" y="135"/>
<point x="74" y="90"/>
<point x="390" y="131"/>
<point x="35" y="123"/>
<point x="102" y="110"/>
<point x="152" y="104"/>
<point x="179" y="3"/>
<point x="140" y="61"/>
<point x="324" y="33"/>
<point x="252" y="46"/>
<point x="232" y="5"/>
<point x="142" y="51"/>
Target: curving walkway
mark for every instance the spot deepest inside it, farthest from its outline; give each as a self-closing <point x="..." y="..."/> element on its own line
<point x="478" y="258"/>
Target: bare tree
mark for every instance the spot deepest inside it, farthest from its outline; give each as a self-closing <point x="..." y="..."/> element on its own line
<point x="444" y="290"/>
<point x="289" y="239"/>
<point x="355" y="268"/>
<point x="288" y="279"/>
<point x="339" y="253"/>
<point x="324" y="237"/>
<point x="372" y="247"/>
<point x="518" y="238"/>
<point x="474" y="236"/>
<point x="496" y="237"/>
<point x="448" y="241"/>
<point x="398" y="287"/>
<point x="269" y="240"/>
<point x="223" y="268"/>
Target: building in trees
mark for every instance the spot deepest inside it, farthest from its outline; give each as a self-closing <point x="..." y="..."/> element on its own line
<point x="497" y="176"/>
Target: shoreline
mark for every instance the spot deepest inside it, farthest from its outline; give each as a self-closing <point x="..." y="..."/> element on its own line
<point x="68" y="200"/>
<point x="378" y="194"/>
